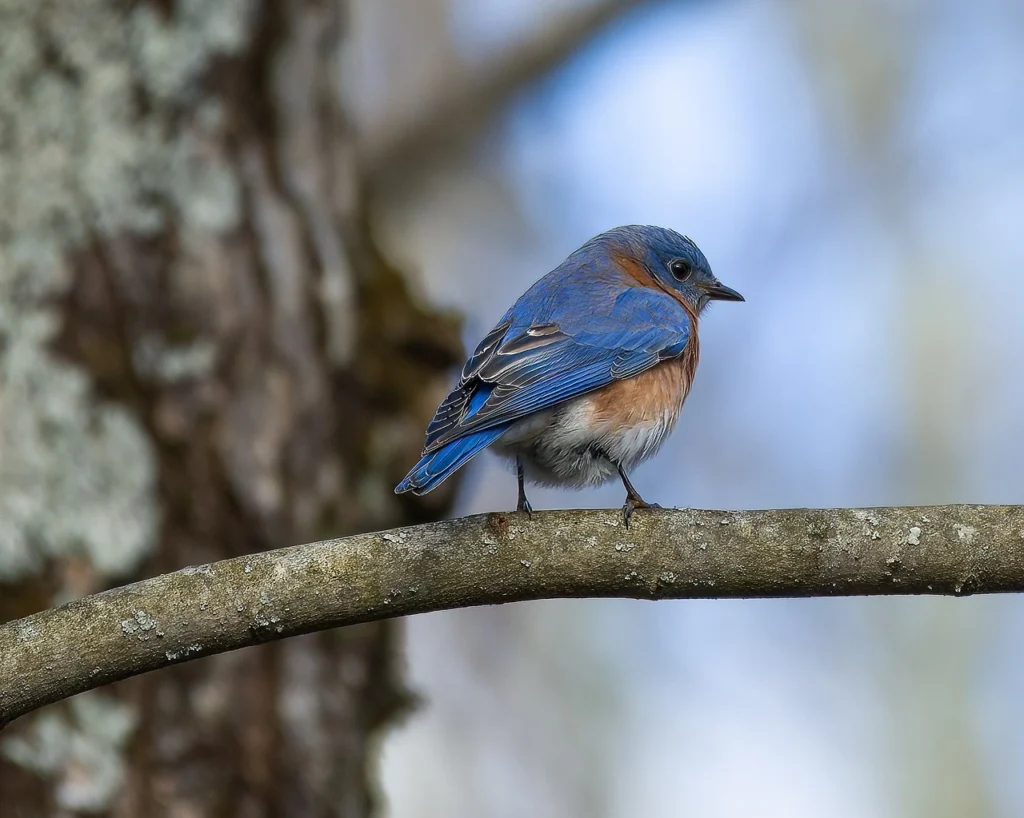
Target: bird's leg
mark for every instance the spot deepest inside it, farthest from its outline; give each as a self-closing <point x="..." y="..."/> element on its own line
<point x="633" y="498"/>
<point x="523" y="504"/>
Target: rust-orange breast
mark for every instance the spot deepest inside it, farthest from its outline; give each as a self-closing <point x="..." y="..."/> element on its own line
<point x="652" y="397"/>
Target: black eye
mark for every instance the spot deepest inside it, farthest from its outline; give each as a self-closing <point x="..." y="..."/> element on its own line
<point x="681" y="269"/>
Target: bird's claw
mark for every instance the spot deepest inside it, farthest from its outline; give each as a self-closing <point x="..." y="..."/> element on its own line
<point x="631" y="505"/>
<point x="524" y="505"/>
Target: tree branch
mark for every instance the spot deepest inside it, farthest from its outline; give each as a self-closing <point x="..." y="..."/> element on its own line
<point x="497" y="558"/>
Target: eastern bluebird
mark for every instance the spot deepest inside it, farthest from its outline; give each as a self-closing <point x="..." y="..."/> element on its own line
<point x="584" y="377"/>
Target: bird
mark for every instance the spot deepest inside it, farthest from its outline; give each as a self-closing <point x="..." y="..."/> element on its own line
<point x="584" y="377"/>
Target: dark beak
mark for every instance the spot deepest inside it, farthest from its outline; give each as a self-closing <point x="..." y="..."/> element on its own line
<point x="719" y="292"/>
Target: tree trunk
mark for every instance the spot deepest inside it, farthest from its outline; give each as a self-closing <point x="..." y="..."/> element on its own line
<point x="202" y="354"/>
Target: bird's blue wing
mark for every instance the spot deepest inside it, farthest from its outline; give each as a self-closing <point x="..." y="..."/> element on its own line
<point x="523" y="367"/>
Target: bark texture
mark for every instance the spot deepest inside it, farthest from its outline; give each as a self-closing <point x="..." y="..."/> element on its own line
<point x="202" y="354"/>
<point x="498" y="558"/>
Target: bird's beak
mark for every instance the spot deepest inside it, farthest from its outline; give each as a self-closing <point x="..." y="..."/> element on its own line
<point x="719" y="292"/>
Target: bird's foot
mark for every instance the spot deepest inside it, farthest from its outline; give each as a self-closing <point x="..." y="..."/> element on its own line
<point x="632" y="504"/>
<point x="523" y="504"/>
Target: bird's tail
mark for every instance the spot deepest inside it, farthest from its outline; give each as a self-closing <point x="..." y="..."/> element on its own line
<point x="436" y="467"/>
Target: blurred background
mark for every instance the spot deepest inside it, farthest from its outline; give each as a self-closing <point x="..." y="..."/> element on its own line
<point x="856" y="170"/>
<point x="232" y="236"/>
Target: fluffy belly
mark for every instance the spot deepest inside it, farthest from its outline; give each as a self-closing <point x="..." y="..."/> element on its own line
<point x="583" y="441"/>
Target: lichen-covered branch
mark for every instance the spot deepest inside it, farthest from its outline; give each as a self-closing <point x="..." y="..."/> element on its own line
<point x="497" y="558"/>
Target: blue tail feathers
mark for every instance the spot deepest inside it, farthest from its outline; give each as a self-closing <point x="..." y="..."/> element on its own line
<point x="436" y="467"/>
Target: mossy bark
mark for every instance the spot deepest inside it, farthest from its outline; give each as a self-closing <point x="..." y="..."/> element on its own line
<point x="204" y="356"/>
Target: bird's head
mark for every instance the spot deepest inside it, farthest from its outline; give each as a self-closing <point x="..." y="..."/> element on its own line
<point x="675" y="263"/>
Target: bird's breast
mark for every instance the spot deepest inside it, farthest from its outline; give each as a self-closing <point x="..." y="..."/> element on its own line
<point x="581" y="441"/>
<point x="654" y="397"/>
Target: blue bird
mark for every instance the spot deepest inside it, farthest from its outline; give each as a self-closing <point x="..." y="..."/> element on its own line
<point x="584" y="378"/>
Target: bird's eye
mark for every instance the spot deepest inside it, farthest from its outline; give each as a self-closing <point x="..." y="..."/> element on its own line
<point x="681" y="269"/>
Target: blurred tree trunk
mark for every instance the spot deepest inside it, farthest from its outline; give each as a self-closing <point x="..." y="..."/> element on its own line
<point x="202" y="354"/>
